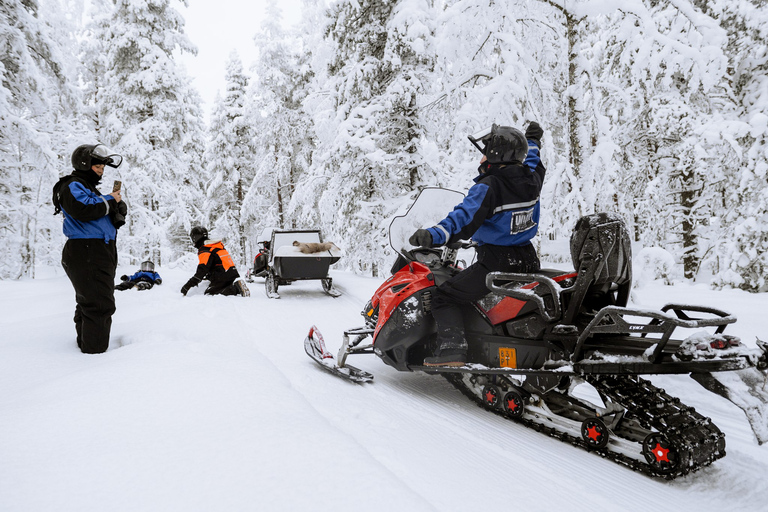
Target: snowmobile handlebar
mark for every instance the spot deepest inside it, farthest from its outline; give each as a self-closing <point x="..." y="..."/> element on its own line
<point x="526" y="292"/>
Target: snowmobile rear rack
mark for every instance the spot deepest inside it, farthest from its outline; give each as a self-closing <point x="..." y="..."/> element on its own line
<point x="610" y="320"/>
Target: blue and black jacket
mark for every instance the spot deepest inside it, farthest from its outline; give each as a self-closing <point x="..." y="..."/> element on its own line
<point x="141" y="275"/>
<point x="502" y="208"/>
<point x="87" y="213"/>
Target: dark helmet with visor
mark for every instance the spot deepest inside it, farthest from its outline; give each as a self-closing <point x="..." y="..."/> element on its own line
<point x="501" y="144"/>
<point x="147" y="266"/>
<point x="198" y="234"/>
<point x="87" y="155"/>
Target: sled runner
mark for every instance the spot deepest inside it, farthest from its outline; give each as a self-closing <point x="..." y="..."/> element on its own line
<point x="299" y="255"/>
<point x="536" y="338"/>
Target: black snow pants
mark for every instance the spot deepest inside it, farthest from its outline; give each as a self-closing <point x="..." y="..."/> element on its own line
<point x="469" y="286"/>
<point x="90" y="265"/>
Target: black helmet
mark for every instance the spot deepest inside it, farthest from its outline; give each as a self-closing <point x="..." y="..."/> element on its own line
<point x="501" y="144"/>
<point x="86" y="155"/>
<point x="198" y="234"/>
<point x="147" y="266"/>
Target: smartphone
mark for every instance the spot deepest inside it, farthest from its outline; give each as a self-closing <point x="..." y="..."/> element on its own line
<point x="117" y="186"/>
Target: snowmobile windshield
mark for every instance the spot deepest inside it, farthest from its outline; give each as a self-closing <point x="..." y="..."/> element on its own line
<point x="430" y="207"/>
<point x="103" y="154"/>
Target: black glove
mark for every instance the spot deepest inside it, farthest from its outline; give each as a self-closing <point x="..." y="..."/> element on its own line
<point x="534" y="132"/>
<point x="118" y="217"/>
<point x="124" y="277"/>
<point x="421" y="238"/>
<point x="193" y="281"/>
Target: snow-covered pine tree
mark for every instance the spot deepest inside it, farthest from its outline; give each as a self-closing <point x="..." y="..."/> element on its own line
<point x="230" y="161"/>
<point x="382" y="55"/>
<point x="741" y="252"/>
<point x="144" y="99"/>
<point x="284" y="137"/>
<point x="499" y="62"/>
<point x="38" y="108"/>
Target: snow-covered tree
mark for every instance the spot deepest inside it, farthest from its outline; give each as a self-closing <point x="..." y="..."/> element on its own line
<point x="230" y="161"/>
<point x="143" y="107"/>
<point x="38" y="108"/>
<point x="284" y="143"/>
<point x="383" y="53"/>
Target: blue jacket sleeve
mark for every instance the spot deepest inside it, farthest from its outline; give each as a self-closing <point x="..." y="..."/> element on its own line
<point x="82" y="204"/>
<point x="465" y="218"/>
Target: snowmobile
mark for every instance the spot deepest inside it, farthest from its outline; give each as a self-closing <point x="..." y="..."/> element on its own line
<point x="536" y="339"/>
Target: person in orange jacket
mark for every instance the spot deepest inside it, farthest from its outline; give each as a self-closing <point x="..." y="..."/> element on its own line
<point x="216" y="266"/>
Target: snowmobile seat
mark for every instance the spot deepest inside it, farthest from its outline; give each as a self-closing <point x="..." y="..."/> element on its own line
<point x="602" y="256"/>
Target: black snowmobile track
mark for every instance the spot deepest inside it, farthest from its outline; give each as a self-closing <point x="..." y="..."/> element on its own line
<point x="694" y="440"/>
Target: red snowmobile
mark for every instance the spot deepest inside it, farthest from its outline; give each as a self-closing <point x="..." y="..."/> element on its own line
<point x="535" y="338"/>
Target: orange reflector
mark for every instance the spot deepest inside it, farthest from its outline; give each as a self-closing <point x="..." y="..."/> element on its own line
<point x="507" y="357"/>
<point x="370" y="312"/>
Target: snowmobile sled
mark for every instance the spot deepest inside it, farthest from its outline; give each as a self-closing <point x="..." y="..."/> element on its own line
<point x="536" y="340"/>
<point x="295" y="255"/>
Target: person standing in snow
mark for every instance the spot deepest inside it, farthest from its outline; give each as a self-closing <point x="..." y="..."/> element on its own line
<point x="500" y="213"/>
<point x="215" y="265"/>
<point x="144" y="279"/>
<point x="89" y="258"/>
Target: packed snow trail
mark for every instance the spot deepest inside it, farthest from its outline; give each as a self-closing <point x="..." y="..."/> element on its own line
<point x="211" y="404"/>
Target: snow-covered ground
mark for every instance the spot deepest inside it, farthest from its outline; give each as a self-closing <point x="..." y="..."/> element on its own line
<point x="209" y="403"/>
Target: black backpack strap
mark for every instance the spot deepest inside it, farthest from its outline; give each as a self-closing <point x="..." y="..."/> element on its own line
<point x="63" y="181"/>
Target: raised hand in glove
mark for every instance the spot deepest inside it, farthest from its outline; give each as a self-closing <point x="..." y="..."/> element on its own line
<point x="534" y="132"/>
<point x="124" y="277"/>
<point x="421" y="238"/>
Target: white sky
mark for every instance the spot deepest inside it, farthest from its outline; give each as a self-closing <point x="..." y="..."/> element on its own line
<point x="217" y="27"/>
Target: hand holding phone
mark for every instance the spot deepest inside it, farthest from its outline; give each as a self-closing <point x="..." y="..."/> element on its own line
<point x="116" y="191"/>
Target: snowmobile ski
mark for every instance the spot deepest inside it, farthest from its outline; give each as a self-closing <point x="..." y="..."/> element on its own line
<point x="314" y="346"/>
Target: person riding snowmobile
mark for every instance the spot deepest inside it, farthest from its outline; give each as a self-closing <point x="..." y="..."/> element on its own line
<point x="501" y="213"/>
<point x="215" y="265"/>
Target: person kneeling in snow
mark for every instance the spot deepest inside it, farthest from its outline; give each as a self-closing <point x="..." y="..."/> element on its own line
<point x="144" y="279"/>
<point x="215" y="265"/>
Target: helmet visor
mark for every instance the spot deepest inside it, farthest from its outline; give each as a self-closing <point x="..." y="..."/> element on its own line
<point x="101" y="154"/>
<point x="481" y="137"/>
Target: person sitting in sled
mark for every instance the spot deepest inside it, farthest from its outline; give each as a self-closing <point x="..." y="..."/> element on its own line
<point x="144" y="279"/>
<point x="500" y="213"/>
<point x="259" y="262"/>
<point x="215" y="265"/>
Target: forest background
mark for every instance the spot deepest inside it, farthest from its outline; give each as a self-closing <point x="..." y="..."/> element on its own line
<point x="656" y="110"/>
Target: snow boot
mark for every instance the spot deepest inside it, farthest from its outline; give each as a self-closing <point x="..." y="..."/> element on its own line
<point x="452" y="349"/>
<point x="452" y="358"/>
<point x="242" y="287"/>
